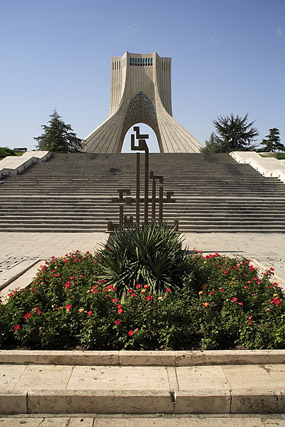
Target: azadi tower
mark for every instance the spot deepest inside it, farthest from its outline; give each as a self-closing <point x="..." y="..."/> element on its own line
<point x="141" y="93"/>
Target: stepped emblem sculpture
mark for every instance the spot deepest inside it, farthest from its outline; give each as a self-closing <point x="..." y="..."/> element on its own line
<point x="141" y="93"/>
<point x="124" y="220"/>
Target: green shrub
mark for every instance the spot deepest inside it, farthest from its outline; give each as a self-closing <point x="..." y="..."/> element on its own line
<point x="150" y="254"/>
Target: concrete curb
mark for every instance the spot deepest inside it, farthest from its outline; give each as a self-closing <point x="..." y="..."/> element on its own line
<point x="141" y="402"/>
<point x="143" y="358"/>
<point x="19" y="271"/>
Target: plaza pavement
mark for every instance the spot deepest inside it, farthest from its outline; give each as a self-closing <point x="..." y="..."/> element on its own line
<point x="82" y="420"/>
<point x="26" y="251"/>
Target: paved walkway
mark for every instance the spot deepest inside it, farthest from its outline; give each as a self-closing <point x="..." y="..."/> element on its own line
<point x="127" y="382"/>
<point x="21" y="251"/>
<point x="82" y="420"/>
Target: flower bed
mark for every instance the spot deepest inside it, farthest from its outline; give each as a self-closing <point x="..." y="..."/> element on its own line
<point x="220" y="303"/>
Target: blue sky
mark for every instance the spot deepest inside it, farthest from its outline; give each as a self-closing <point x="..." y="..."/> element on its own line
<point x="228" y="56"/>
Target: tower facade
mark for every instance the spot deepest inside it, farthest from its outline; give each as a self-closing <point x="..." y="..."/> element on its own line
<point x="140" y="93"/>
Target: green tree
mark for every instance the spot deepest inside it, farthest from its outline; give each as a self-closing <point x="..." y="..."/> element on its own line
<point x="212" y="145"/>
<point x="272" y="141"/>
<point x="58" y="137"/>
<point x="5" y="151"/>
<point x="233" y="134"/>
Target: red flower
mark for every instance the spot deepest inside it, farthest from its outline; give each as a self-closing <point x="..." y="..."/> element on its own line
<point x="67" y="285"/>
<point x="72" y="277"/>
<point x="211" y="292"/>
<point x="16" y="327"/>
<point x="115" y="300"/>
<point x="68" y="307"/>
<point x="276" y="301"/>
<point x="89" y="313"/>
<point x="39" y="312"/>
<point x="27" y="316"/>
<point x="131" y="333"/>
<point x="120" y="310"/>
<point x="117" y="322"/>
<point x="133" y="295"/>
<point x="234" y="299"/>
<point x="149" y="297"/>
<point x="168" y="290"/>
<point x="138" y="286"/>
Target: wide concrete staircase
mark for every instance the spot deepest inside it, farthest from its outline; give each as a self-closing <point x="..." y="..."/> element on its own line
<point x="72" y="193"/>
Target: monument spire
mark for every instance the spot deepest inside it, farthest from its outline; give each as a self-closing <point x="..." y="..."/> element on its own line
<point x="141" y="93"/>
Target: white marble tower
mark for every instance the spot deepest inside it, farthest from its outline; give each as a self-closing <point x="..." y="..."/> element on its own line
<point x="140" y="93"/>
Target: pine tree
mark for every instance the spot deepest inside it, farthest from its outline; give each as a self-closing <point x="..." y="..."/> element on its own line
<point x="235" y="134"/>
<point x="272" y="141"/>
<point x="211" y="145"/>
<point x="58" y="137"/>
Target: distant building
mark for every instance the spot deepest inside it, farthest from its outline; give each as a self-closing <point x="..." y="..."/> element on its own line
<point x="20" y="150"/>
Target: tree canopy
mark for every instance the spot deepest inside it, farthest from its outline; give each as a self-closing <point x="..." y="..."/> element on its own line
<point x="233" y="134"/>
<point x="5" y="151"/>
<point x="272" y="141"/>
<point x="58" y="137"/>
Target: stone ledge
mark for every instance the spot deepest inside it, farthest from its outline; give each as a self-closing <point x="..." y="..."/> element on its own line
<point x="143" y="358"/>
<point x="141" y="402"/>
<point x="124" y="402"/>
<point x="257" y="402"/>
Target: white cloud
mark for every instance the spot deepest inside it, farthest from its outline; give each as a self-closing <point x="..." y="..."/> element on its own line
<point x="214" y="38"/>
<point x="279" y="32"/>
<point x="132" y="29"/>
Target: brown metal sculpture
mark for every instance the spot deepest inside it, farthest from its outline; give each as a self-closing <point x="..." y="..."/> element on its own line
<point x="124" y="221"/>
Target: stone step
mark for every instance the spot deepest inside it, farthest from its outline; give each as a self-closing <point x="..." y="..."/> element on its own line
<point x="72" y="192"/>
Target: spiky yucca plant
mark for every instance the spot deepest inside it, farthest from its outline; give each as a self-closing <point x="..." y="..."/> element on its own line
<point x="146" y="254"/>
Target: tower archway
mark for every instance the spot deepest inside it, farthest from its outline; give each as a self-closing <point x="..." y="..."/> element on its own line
<point x="152" y="142"/>
<point x="141" y="110"/>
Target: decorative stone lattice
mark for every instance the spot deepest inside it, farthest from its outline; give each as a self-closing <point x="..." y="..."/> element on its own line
<point x="140" y="109"/>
